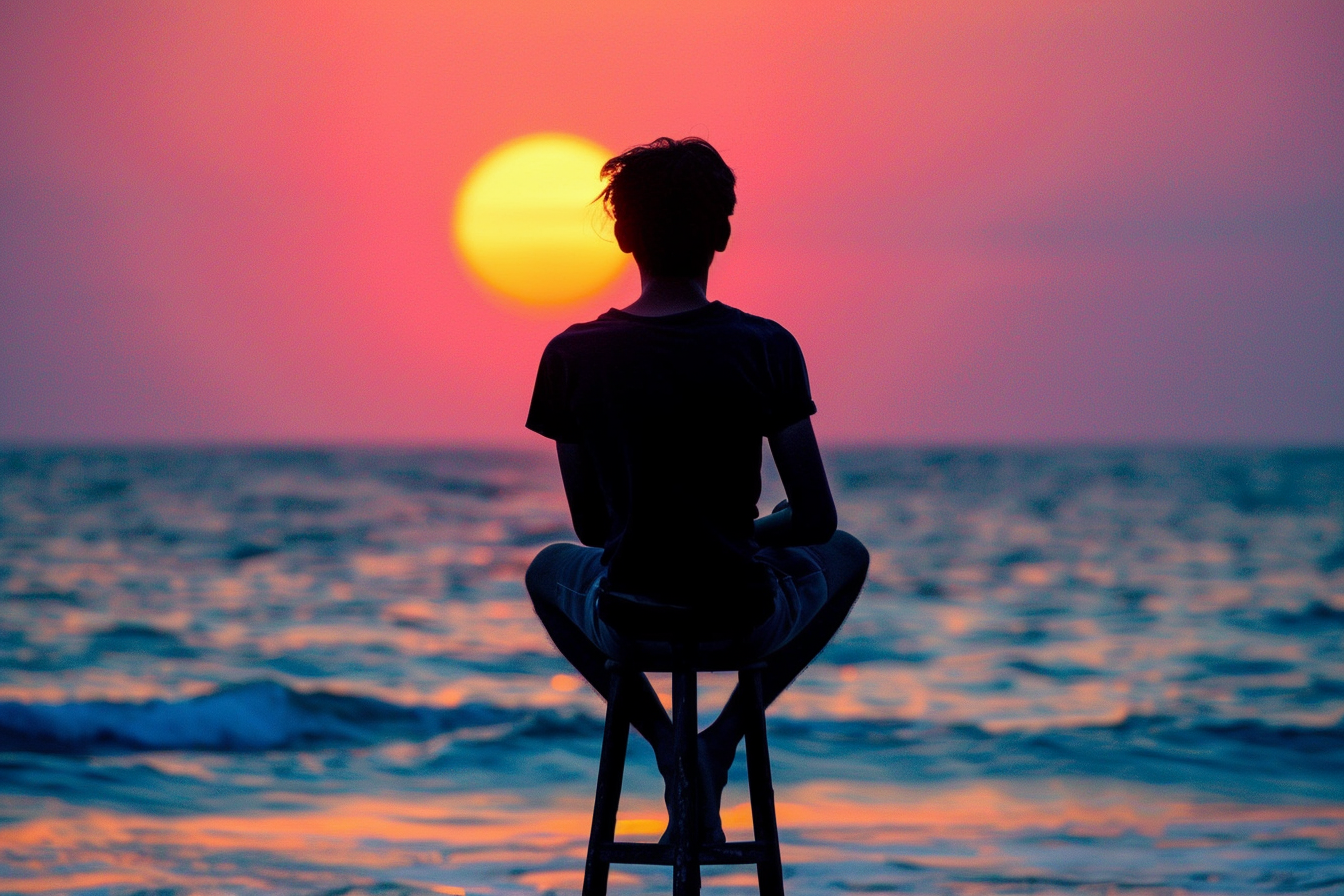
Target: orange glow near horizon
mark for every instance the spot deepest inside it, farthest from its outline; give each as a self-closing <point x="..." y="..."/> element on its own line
<point x="449" y="838"/>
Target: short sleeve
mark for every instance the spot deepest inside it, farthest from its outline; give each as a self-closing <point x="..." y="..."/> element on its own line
<point x="551" y="413"/>
<point x="792" y="394"/>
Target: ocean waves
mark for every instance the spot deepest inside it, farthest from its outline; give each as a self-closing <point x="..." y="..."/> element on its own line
<point x="1070" y="669"/>
<point x="1245" y="759"/>
<point x="256" y="716"/>
<point x="265" y="716"/>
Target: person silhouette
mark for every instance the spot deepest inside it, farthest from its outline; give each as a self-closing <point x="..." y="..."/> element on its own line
<point x="658" y="412"/>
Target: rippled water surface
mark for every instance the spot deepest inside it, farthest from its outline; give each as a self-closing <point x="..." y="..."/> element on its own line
<point x="317" y="672"/>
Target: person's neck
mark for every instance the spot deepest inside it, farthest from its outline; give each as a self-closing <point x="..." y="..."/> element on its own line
<point x="660" y="296"/>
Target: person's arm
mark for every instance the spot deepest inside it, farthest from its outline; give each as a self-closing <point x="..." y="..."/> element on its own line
<point x="809" y="517"/>
<point x="587" y="506"/>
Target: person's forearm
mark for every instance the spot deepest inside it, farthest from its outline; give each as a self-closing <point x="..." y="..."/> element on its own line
<point x="808" y="516"/>
<point x="587" y="506"/>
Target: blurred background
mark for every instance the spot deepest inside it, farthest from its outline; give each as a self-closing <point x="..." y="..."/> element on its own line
<point x="1069" y="282"/>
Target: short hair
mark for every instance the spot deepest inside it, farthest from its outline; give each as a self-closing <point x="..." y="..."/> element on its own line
<point x="675" y="196"/>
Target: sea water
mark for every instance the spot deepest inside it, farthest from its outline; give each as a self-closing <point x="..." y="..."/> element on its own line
<point x="281" y="671"/>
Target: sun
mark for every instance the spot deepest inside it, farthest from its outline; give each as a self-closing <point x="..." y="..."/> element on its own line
<point x="526" y="224"/>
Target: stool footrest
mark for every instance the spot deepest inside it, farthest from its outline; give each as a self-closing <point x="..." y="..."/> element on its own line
<point x="742" y="852"/>
<point x="684" y="857"/>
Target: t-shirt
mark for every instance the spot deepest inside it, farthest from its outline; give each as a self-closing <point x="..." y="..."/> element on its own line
<point x="673" y="410"/>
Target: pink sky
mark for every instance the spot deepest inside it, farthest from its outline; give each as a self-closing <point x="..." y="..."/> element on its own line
<point x="991" y="223"/>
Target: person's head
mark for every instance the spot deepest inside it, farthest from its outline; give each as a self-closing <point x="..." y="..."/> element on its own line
<point x="671" y="200"/>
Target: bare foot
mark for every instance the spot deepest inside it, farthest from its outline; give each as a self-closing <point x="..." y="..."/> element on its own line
<point x="713" y="778"/>
<point x="712" y="771"/>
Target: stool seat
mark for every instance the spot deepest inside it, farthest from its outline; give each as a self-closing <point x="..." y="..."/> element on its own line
<point x="665" y="638"/>
<point x="684" y="852"/>
<point x="705" y="656"/>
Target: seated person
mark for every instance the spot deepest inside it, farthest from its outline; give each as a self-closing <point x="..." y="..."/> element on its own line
<point x="658" y="412"/>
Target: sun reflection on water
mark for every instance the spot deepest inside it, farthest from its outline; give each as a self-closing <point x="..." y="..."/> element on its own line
<point x="259" y="672"/>
<point x="496" y="841"/>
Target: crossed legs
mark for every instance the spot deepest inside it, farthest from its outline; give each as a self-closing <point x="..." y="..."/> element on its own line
<point x="844" y="560"/>
<point x="558" y="580"/>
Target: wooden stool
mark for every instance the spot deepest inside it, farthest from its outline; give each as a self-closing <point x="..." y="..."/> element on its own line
<point x="685" y="853"/>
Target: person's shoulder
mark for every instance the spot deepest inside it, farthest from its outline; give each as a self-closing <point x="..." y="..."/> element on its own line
<point x="765" y="329"/>
<point x="600" y="323"/>
<point x="577" y="334"/>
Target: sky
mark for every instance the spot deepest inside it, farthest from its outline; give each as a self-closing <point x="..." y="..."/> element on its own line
<point x="989" y="223"/>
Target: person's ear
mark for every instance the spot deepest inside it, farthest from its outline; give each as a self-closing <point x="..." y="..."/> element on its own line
<point x="721" y="238"/>
<point x="624" y="238"/>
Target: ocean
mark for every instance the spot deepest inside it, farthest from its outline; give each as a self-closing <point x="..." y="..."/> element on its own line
<point x="317" y="672"/>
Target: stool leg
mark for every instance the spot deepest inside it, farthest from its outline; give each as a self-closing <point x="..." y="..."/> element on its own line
<point x="684" y="820"/>
<point x="610" y="771"/>
<point x="770" y="870"/>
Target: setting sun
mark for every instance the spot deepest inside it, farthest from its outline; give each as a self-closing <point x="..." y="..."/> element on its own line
<point x="526" y="224"/>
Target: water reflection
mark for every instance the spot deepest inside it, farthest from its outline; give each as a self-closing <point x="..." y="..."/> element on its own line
<point x="274" y="671"/>
<point x="837" y="836"/>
